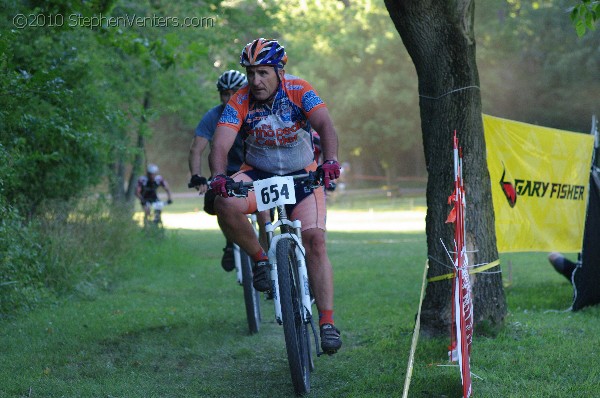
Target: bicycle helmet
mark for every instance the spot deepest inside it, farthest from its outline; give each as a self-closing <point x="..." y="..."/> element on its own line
<point x="152" y="168"/>
<point x="231" y="80"/>
<point x="263" y="52"/>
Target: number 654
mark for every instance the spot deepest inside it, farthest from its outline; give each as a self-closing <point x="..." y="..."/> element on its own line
<point x="273" y="192"/>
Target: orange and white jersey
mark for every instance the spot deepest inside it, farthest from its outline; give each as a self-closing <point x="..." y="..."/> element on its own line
<point x="278" y="138"/>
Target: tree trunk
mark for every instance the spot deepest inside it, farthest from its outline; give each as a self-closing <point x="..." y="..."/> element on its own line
<point x="439" y="37"/>
<point x="137" y="166"/>
<point x="117" y="181"/>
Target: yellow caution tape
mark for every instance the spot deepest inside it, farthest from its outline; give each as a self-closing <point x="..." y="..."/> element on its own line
<point x="471" y="271"/>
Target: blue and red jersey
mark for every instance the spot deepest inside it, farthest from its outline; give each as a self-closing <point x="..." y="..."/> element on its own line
<point x="277" y="138"/>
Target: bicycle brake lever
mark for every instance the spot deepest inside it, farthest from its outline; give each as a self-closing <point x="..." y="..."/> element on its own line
<point x="237" y="189"/>
<point x="314" y="179"/>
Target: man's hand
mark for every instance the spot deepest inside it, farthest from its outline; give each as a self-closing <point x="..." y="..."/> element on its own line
<point x="218" y="185"/>
<point x="197" y="181"/>
<point x="331" y="171"/>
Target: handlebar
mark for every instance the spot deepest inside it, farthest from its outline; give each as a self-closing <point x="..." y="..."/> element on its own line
<point x="312" y="180"/>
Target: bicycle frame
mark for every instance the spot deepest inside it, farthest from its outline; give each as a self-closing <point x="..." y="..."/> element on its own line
<point x="154" y="216"/>
<point x="158" y="207"/>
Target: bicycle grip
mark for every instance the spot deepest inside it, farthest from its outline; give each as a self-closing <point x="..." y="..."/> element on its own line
<point x="234" y="186"/>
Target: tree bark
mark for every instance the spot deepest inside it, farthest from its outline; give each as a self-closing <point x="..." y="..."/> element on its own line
<point x="439" y="37"/>
<point x="139" y="158"/>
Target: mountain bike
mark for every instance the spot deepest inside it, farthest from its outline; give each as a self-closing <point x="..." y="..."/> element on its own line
<point x="243" y="266"/>
<point x="291" y="293"/>
<point x="153" y="220"/>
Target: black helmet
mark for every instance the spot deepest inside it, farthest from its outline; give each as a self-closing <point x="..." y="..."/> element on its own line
<point x="231" y="80"/>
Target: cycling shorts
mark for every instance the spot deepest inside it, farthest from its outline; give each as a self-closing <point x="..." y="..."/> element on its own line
<point x="309" y="207"/>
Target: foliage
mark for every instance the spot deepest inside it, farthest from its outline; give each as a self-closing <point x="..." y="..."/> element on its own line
<point x="354" y="58"/>
<point x="585" y="15"/>
<point x="532" y="68"/>
<point x="21" y="265"/>
<point x="50" y="118"/>
<point x="73" y="249"/>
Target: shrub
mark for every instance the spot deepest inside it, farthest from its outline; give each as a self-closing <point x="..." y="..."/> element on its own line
<point x="21" y="264"/>
<point x="71" y="248"/>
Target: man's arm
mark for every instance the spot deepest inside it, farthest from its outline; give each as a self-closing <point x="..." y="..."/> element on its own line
<point x="167" y="189"/>
<point x="195" y="159"/>
<point x="322" y="123"/>
<point x="221" y="144"/>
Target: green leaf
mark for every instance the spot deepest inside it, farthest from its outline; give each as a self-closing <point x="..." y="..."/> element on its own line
<point x="589" y="21"/>
<point x="580" y="28"/>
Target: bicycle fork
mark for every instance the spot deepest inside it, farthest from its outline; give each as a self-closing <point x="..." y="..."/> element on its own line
<point x="300" y="263"/>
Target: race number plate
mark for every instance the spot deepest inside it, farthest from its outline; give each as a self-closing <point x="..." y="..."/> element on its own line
<point x="274" y="191"/>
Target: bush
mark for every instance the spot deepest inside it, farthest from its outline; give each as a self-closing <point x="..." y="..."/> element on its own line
<point x="21" y="265"/>
<point x="70" y="249"/>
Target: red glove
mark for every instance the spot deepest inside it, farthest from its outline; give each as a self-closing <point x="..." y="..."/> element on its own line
<point x="218" y="185"/>
<point x="331" y="171"/>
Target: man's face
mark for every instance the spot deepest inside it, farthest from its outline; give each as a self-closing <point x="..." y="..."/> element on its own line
<point x="262" y="81"/>
<point x="225" y="95"/>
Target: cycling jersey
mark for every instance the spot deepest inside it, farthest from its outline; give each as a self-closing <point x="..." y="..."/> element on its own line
<point x="149" y="188"/>
<point x="277" y="138"/>
<point x="206" y="128"/>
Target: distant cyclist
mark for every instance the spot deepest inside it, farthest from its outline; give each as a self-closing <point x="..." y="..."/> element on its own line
<point x="227" y="84"/>
<point x="147" y="186"/>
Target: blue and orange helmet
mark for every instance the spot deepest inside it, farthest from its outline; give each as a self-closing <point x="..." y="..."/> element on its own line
<point x="263" y="52"/>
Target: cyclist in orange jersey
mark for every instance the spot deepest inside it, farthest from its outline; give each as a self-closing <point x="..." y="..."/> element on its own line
<point x="274" y="114"/>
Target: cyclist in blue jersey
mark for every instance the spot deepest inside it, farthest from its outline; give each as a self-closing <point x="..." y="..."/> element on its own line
<point x="227" y="84"/>
<point x="275" y="114"/>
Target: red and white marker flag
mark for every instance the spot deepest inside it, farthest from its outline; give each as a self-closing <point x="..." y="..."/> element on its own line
<point x="462" y="306"/>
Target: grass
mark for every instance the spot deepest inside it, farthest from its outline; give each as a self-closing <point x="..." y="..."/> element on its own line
<point x="174" y="326"/>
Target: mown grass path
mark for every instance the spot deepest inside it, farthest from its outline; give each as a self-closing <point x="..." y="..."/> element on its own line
<point x="173" y="325"/>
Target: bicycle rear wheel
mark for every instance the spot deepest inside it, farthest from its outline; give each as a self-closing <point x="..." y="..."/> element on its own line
<point x="251" y="295"/>
<point x="295" y="330"/>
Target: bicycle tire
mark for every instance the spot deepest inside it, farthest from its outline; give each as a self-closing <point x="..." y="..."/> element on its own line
<point x="294" y="329"/>
<point x="251" y="295"/>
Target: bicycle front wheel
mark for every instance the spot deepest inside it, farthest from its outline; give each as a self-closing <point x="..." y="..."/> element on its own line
<point x="251" y="295"/>
<point x="295" y="330"/>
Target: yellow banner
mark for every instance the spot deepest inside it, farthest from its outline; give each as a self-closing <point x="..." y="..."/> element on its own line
<point x="540" y="182"/>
